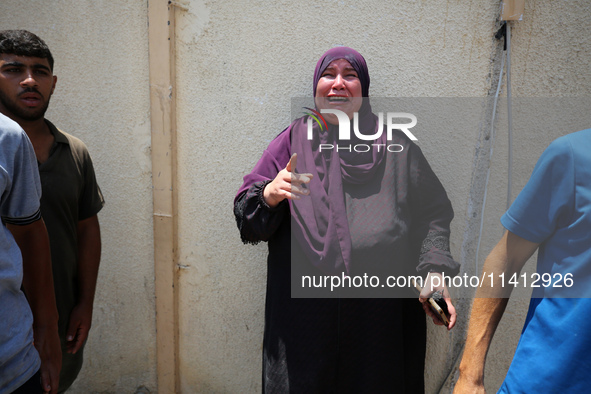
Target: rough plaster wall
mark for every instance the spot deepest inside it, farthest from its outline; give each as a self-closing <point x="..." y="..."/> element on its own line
<point x="239" y="63"/>
<point x="102" y="96"/>
<point x="551" y="86"/>
<point x="537" y="121"/>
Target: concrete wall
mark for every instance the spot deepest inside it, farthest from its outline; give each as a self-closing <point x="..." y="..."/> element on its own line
<point x="102" y="96"/>
<point x="238" y="65"/>
<point x="246" y="59"/>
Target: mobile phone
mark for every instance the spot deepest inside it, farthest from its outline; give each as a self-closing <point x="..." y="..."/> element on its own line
<point x="438" y="305"/>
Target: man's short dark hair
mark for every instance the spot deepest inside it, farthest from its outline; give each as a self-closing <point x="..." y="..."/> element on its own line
<point x="24" y="43"/>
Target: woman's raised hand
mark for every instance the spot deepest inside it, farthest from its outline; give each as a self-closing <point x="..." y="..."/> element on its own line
<point x="287" y="184"/>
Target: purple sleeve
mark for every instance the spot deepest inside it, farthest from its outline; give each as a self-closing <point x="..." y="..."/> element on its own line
<point x="432" y="214"/>
<point x="254" y="218"/>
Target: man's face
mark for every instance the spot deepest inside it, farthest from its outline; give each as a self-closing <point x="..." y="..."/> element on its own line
<point x="26" y="85"/>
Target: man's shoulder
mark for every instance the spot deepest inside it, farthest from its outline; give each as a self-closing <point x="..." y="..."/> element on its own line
<point x="76" y="144"/>
<point x="9" y="128"/>
<point x="579" y="141"/>
<point x="583" y="135"/>
<point x="570" y="150"/>
<point x="13" y="140"/>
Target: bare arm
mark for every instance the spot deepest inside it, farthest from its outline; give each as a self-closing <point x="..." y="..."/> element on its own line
<point x="33" y="241"/>
<point x="89" y="256"/>
<point x="508" y="256"/>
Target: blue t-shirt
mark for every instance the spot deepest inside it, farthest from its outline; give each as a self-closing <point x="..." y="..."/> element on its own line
<point x="554" y="209"/>
<point x="20" y="192"/>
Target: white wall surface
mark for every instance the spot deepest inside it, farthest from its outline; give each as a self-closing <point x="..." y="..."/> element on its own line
<point x="102" y="96"/>
<point x="238" y="65"/>
<point x="240" y="62"/>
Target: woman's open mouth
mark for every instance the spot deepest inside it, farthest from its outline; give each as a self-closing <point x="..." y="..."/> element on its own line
<point x="338" y="99"/>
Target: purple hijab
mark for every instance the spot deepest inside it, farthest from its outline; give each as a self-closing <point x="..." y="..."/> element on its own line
<point x="319" y="221"/>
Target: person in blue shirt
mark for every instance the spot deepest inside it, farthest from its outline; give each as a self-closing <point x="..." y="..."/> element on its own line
<point x="552" y="214"/>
